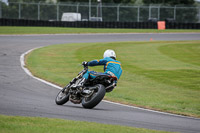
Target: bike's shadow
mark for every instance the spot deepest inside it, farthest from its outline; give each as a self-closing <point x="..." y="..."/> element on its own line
<point x="80" y="107"/>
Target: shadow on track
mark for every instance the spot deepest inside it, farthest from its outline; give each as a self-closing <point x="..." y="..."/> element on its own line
<point x="80" y="107"/>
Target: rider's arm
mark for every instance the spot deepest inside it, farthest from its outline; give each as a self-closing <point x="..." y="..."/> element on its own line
<point x="97" y="62"/>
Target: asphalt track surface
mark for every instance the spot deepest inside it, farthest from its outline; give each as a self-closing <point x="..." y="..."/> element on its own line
<point x="23" y="95"/>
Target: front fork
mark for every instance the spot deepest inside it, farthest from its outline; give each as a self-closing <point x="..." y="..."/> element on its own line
<point x="68" y="85"/>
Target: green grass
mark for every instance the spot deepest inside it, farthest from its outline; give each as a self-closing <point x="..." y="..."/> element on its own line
<point x="56" y="30"/>
<point x="16" y="124"/>
<point x="160" y="75"/>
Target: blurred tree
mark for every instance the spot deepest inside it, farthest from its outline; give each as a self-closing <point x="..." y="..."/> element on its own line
<point x="104" y="1"/>
<point x="24" y="0"/>
<point x="182" y="14"/>
<point x="24" y="10"/>
<point x="170" y="2"/>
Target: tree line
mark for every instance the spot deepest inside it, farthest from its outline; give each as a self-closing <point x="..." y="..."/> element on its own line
<point x="164" y="2"/>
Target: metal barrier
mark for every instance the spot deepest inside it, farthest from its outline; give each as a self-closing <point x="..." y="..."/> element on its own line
<point x="108" y="12"/>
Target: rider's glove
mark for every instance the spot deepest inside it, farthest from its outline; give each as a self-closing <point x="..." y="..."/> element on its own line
<point x="85" y="63"/>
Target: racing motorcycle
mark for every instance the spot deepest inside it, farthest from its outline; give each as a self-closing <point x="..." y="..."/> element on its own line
<point x="90" y="94"/>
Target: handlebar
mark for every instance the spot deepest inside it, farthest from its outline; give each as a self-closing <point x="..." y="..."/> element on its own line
<point x="85" y="67"/>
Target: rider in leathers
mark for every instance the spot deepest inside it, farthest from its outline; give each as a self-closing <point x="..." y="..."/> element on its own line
<point x="111" y="67"/>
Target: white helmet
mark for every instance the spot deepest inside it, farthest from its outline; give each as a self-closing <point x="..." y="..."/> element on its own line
<point x="109" y="53"/>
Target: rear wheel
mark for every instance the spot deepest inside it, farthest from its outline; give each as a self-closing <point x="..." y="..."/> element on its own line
<point x="62" y="97"/>
<point x="96" y="97"/>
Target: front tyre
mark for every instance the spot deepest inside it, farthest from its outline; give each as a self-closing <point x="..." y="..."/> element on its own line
<point x="95" y="98"/>
<point x="62" y="97"/>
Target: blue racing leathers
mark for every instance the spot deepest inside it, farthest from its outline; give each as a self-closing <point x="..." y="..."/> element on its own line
<point x="111" y="67"/>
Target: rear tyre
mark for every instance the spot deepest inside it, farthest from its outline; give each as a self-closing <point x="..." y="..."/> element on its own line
<point x="95" y="98"/>
<point x="62" y="97"/>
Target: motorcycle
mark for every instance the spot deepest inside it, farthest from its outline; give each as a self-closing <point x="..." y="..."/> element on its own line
<point x="90" y="94"/>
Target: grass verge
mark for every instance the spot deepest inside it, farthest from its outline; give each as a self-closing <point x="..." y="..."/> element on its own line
<point x="55" y="30"/>
<point x="160" y="75"/>
<point x="16" y="124"/>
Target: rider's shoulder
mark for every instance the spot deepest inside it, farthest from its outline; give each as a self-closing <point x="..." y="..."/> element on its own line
<point x="109" y="59"/>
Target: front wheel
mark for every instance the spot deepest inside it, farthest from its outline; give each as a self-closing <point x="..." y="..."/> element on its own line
<point x="62" y="97"/>
<point x="95" y="98"/>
